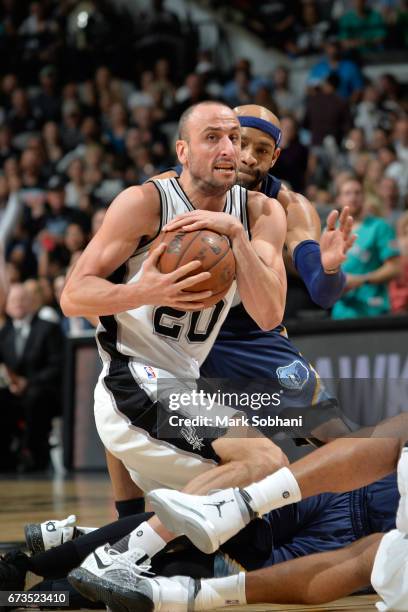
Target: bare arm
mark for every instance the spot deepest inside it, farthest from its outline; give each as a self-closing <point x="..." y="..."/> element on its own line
<point x="133" y="215"/>
<point x="261" y="275"/>
<point x="389" y="270"/>
<point x="302" y="219"/>
<point x="349" y="463"/>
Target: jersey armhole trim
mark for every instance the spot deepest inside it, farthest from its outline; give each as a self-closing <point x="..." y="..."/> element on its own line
<point x="245" y="211"/>
<point x="163" y="217"/>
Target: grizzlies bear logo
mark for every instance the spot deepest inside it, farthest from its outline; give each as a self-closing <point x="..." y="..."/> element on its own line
<point x="293" y="376"/>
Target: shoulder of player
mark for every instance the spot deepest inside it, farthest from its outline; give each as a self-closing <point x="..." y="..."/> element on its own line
<point x="164" y="175"/>
<point x="133" y="206"/>
<point x="287" y="198"/>
<point x="260" y="204"/>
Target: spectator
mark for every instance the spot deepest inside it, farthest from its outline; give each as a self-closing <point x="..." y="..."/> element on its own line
<point x="285" y="99"/>
<point x="292" y="162"/>
<point x="327" y="113"/>
<point x="7" y="150"/>
<point x="70" y="128"/>
<point x="76" y="186"/>
<point x="398" y="289"/>
<point x="400" y="140"/>
<point x="362" y="28"/>
<point x="371" y="263"/>
<point x="350" y="77"/>
<point x="46" y="105"/>
<point x="369" y="116"/>
<point x="37" y="304"/>
<point x="393" y="168"/>
<point x="31" y="349"/>
<point x="310" y="30"/>
<point x="390" y="205"/>
<point x="20" y="119"/>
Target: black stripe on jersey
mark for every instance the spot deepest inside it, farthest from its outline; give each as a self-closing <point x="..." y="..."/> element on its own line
<point x="107" y="337"/>
<point x="163" y="215"/>
<point x="246" y="212"/>
<point x="177" y="188"/>
<point x="152" y="417"/>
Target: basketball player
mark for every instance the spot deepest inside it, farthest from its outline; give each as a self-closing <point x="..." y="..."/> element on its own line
<point x="314" y="579"/>
<point x="242" y="350"/>
<point x="153" y="329"/>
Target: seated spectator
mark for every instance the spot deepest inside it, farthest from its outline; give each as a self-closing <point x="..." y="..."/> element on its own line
<point x="243" y="70"/>
<point x="57" y="256"/>
<point x="20" y="118"/>
<point x="37" y="303"/>
<point x="398" y="288"/>
<point x="389" y="200"/>
<point x="70" y="127"/>
<point x="310" y="31"/>
<point x="7" y="150"/>
<point x="32" y="351"/>
<point x="292" y="162"/>
<point x="400" y="139"/>
<point x="362" y="28"/>
<point x="369" y="116"/>
<point x="76" y="186"/>
<point x="349" y="74"/>
<point x="47" y="103"/>
<point x="394" y="169"/>
<point x="285" y="99"/>
<point x="327" y="113"/>
<point x="371" y="262"/>
<point x="52" y="142"/>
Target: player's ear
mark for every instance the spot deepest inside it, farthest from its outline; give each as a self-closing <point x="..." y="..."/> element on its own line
<point x="182" y="151"/>
<point x="275" y="156"/>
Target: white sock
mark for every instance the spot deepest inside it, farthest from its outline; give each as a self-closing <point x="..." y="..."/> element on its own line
<point x="274" y="491"/>
<point x="146" y="538"/>
<point x="220" y="592"/>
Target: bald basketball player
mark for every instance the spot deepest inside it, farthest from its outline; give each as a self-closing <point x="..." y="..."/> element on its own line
<point x="150" y="331"/>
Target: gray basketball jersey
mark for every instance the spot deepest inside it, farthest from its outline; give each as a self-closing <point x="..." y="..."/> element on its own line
<point x="159" y="336"/>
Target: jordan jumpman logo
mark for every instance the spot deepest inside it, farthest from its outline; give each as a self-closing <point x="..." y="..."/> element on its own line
<point x="219" y="505"/>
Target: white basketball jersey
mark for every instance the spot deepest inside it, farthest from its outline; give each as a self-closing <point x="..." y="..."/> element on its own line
<point x="159" y="336"/>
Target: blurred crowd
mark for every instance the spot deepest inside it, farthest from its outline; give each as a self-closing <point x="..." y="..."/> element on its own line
<point x="300" y="27"/>
<point x="82" y="117"/>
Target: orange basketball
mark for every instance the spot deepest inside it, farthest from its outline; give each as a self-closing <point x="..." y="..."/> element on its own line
<point x="211" y="249"/>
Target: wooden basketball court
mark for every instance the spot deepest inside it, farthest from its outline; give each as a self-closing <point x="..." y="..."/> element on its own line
<point x="27" y="500"/>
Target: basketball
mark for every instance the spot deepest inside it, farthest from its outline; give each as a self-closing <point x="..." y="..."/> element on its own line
<point x="211" y="249"/>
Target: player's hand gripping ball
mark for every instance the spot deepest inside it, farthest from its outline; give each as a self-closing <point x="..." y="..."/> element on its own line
<point x="208" y="247"/>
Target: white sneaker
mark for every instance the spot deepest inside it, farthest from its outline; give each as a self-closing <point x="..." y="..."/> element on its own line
<point x="207" y="520"/>
<point x="43" y="536"/>
<point x="109" y="576"/>
<point x="402" y="512"/>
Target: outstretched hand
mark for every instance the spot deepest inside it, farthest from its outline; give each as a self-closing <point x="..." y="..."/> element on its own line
<point x="336" y="240"/>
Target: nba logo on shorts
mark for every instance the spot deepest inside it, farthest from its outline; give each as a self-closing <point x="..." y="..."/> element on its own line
<point x="150" y="372"/>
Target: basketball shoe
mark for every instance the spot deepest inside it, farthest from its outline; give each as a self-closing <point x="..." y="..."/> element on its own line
<point x="43" y="536"/>
<point x="207" y="520"/>
<point x="110" y="575"/>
